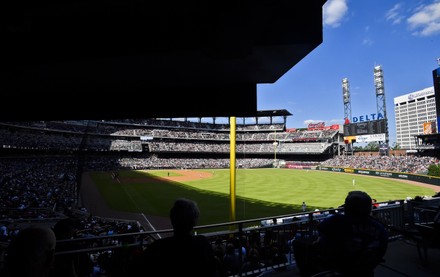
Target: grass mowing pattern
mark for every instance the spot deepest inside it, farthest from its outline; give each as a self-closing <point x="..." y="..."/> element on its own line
<point x="259" y="192"/>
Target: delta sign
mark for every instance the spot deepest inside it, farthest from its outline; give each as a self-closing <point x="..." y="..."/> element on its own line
<point x="367" y="117"/>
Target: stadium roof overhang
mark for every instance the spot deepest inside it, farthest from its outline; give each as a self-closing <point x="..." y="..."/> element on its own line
<point x="140" y="59"/>
<point x="265" y="113"/>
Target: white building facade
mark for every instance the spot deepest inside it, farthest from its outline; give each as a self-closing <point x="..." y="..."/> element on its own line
<point x="412" y="110"/>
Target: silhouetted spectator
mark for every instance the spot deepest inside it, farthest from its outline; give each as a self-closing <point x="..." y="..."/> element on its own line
<point x="30" y="253"/>
<point x="73" y="264"/>
<point x="183" y="254"/>
<point x="231" y="260"/>
<point x="350" y="244"/>
<point x="252" y="263"/>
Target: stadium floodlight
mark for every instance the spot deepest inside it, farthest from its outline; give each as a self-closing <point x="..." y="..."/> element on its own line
<point x="380" y="97"/>
<point x="346" y="99"/>
<point x="345" y="90"/>
<point x="378" y="80"/>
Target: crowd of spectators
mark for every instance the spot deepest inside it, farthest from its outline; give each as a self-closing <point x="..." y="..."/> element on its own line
<point x="409" y="163"/>
<point x="38" y="188"/>
<point x="159" y="137"/>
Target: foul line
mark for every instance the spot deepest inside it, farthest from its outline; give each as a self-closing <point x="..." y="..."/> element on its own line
<point x="142" y="214"/>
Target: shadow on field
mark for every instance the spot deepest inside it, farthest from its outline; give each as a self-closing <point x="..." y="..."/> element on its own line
<point x="154" y="194"/>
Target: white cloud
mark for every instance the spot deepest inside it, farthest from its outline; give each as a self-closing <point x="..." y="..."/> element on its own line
<point x="394" y="15"/>
<point x="336" y="121"/>
<point x="367" y="41"/>
<point x="327" y="122"/>
<point x="312" y="121"/>
<point x="426" y="20"/>
<point x="334" y="12"/>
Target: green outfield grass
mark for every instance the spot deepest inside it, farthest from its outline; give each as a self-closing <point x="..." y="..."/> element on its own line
<point x="259" y="192"/>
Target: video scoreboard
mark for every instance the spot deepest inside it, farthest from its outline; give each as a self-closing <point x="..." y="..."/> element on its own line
<point x="366" y="128"/>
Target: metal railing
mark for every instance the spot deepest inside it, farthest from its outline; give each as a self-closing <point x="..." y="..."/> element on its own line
<point x="276" y="231"/>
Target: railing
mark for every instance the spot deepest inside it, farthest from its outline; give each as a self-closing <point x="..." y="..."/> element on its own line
<point x="277" y="231"/>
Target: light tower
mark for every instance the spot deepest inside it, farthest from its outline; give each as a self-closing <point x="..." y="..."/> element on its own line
<point x="346" y="99"/>
<point x="347" y="110"/>
<point x="380" y="97"/>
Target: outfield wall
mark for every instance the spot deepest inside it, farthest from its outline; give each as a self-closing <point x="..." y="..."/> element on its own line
<point x="395" y="175"/>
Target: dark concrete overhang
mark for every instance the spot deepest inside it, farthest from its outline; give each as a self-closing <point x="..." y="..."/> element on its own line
<point x="140" y="59"/>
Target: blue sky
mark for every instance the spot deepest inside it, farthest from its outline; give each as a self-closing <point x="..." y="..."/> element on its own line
<point x="401" y="36"/>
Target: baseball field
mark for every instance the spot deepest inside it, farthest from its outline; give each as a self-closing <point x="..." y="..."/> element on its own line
<point x="258" y="192"/>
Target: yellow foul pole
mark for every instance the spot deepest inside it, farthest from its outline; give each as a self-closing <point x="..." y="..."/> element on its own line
<point x="232" y="125"/>
<point x="275" y="148"/>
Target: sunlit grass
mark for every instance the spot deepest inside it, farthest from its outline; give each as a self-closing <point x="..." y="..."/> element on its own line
<point x="258" y="192"/>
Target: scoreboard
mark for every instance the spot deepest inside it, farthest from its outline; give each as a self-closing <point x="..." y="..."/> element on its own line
<point x="366" y="128"/>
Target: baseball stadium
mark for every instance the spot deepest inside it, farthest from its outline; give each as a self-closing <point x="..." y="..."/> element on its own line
<point x="131" y="144"/>
<point x="119" y="177"/>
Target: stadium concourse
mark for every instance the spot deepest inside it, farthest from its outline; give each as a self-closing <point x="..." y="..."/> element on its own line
<point x="44" y="165"/>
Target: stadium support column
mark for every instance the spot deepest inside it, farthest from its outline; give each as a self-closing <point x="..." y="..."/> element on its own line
<point x="80" y="164"/>
<point x="232" y="127"/>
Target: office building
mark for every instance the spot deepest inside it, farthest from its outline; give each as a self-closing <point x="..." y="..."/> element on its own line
<point x="413" y="111"/>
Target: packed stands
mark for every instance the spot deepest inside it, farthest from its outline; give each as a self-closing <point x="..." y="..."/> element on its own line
<point x="42" y="162"/>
